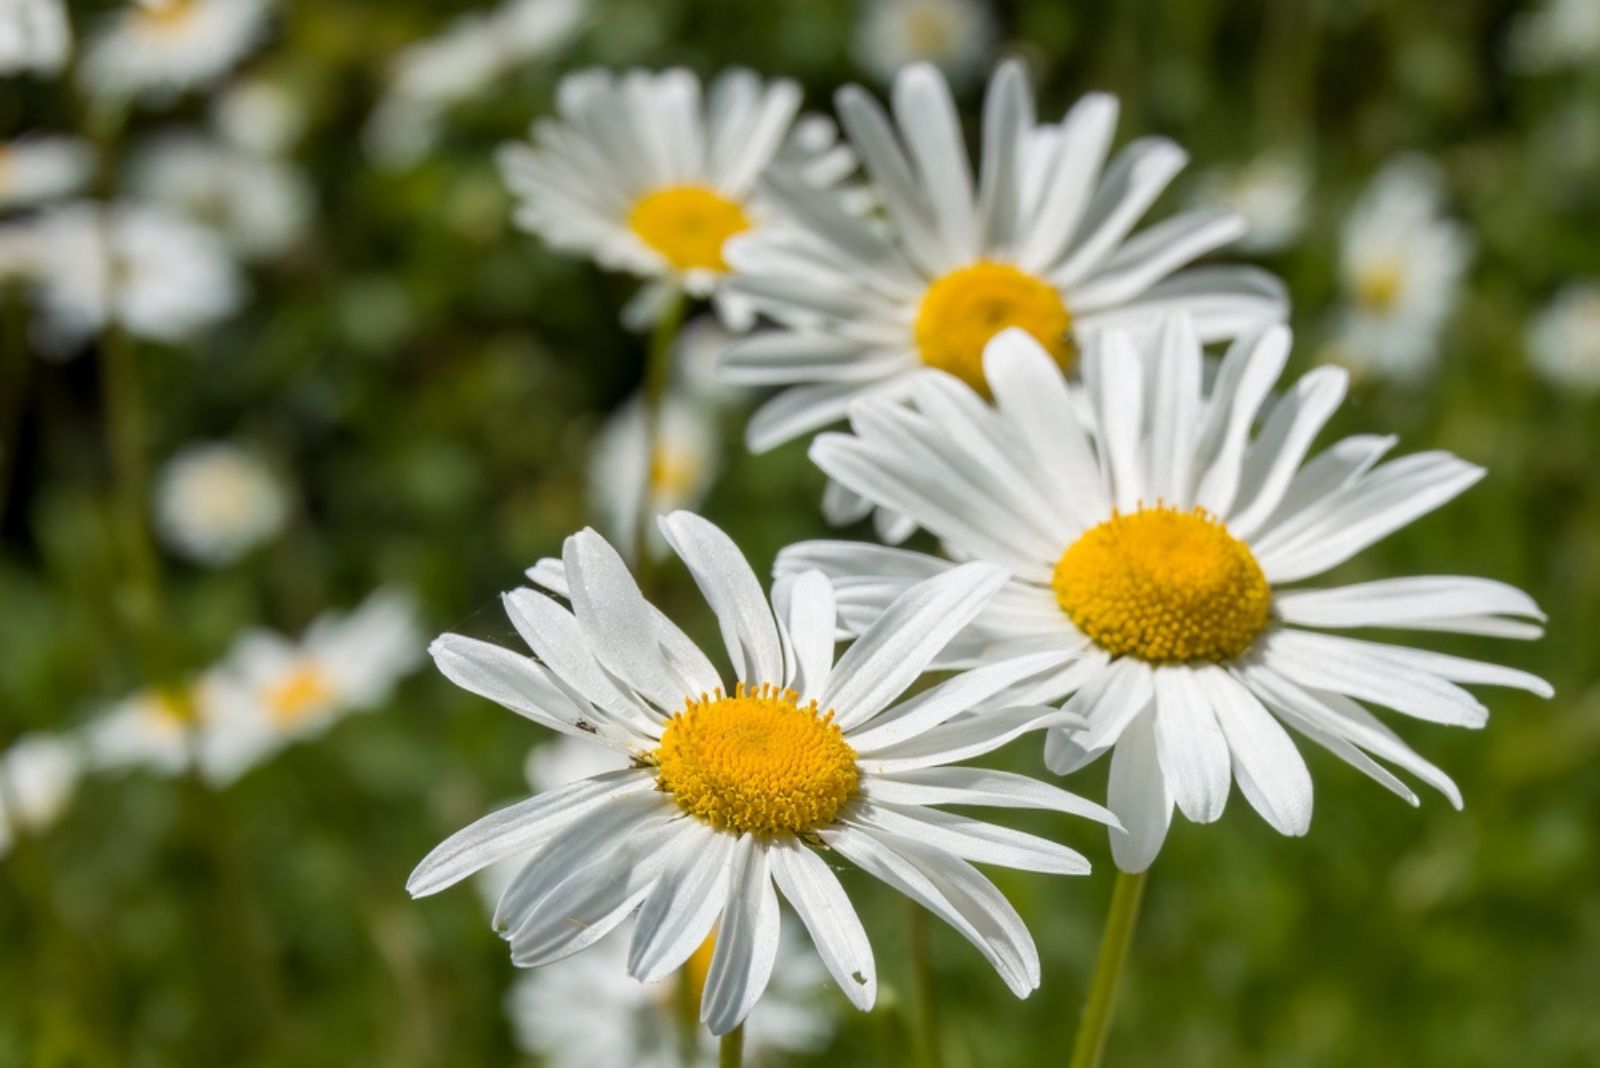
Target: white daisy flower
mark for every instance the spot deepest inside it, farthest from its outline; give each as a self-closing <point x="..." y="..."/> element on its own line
<point x="1153" y="536"/>
<point x="1271" y="193"/>
<point x="956" y="36"/>
<point x="1555" y="35"/>
<point x="161" y="730"/>
<point x="1564" y="338"/>
<point x="679" y="467"/>
<point x="214" y="502"/>
<point x="258" y="205"/>
<point x="157" y="48"/>
<point x="1401" y="262"/>
<point x="171" y="278"/>
<point x="644" y="175"/>
<point x="463" y="61"/>
<point x="1041" y="244"/>
<point x="260" y="116"/>
<point x="34" y="36"/>
<point x="37" y="169"/>
<point x="586" y="1010"/>
<point x="38" y="776"/>
<point x="733" y="788"/>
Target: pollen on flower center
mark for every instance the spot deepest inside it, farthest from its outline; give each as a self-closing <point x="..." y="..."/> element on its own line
<point x="757" y="762"/>
<point x="962" y="310"/>
<point x="1378" y="287"/>
<point x="688" y="225"/>
<point x="301" y="692"/>
<point x="1164" y="585"/>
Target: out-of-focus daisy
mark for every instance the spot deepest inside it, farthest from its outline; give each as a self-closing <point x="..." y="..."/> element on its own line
<point x="954" y="35"/>
<point x="1401" y="262"/>
<point x="696" y="353"/>
<point x="37" y="169"/>
<point x="1564" y="338"/>
<point x="1041" y="243"/>
<point x="260" y="116"/>
<point x="644" y="175"/>
<point x="155" y="274"/>
<point x="258" y="205"/>
<point x="1271" y="193"/>
<point x="38" y="776"/>
<point x="586" y="1010"/>
<point x="1152" y="534"/>
<point x="679" y="465"/>
<point x="34" y="36"/>
<point x="215" y="502"/>
<point x="156" y="48"/>
<point x="732" y="785"/>
<point x="1555" y="35"/>
<point x="159" y="729"/>
<point x="474" y="51"/>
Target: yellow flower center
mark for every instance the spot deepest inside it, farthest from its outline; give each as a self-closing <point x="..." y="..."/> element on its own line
<point x="304" y="690"/>
<point x="172" y="709"/>
<point x="757" y="762"/>
<point x="688" y="225"/>
<point x="672" y="474"/>
<point x="929" y="32"/>
<point x="1164" y="586"/>
<point x="165" y="16"/>
<point x="1378" y="287"/>
<point x="962" y="310"/>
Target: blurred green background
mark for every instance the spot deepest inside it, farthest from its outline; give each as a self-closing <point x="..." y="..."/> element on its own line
<point x="429" y="380"/>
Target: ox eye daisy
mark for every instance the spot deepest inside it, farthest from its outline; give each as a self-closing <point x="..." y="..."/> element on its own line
<point x="1155" y="528"/>
<point x="154" y="49"/>
<point x="732" y="788"/>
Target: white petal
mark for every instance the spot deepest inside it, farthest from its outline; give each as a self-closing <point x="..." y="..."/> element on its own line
<point x="980" y="786"/>
<point x="734" y="593"/>
<point x="1174" y="411"/>
<point x="1131" y="184"/>
<point x="1190" y="745"/>
<point x="813" y="619"/>
<point x="1320" y="662"/>
<point x="825" y="909"/>
<point x="969" y="737"/>
<point x="1069" y="178"/>
<point x="1429" y="603"/>
<point x="747" y="942"/>
<point x="1137" y="793"/>
<point x="675" y="919"/>
<point x="1275" y="455"/>
<point x="1246" y="378"/>
<point x="932" y="131"/>
<point x="1116" y="382"/>
<point x="616" y="619"/>
<point x="1272" y="775"/>
<point x="952" y="697"/>
<point x="975" y="840"/>
<point x="1152" y="255"/>
<point x="1007" y="118"/>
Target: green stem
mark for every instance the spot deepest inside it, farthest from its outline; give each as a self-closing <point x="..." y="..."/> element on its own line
<point x="1120" y="921"/>
<point x="657" y="374"/>
<point x="686" y="1012"/>
<point x="929" y="1054"/>
<point x="125" y="440"/>
<point x="730" y="1054"/>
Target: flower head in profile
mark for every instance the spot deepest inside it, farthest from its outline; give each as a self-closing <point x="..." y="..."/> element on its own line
<point x="736" y="781"/>
<point x="1401" y="262"/>
<point x="1043" y="241"/>
<point x="38" y="775"/>
<point x="954" y="35"/>
<point x="1564" y="338"/>
<point x="38" y="169"/>
<point x="216" y="501"/>
<point x="155" y="49"/>
<point x="257" y="205"/>
<point x="1154" y="528"/>
<point x="646" y="174"/>
<point x="35" y="37"/>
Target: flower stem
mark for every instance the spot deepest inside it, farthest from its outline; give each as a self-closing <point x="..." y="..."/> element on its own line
<point x="1120" y="922"/>
<point x="730" y="1054"/>
<point x="657" y="374"/>
<point x="928" y="1050"/>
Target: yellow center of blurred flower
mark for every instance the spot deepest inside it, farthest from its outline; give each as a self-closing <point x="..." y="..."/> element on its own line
<point x="165" y="16"/>
<point x="757" y="762"/>
<point x="1378" y="287"/>
<point x="688" y="225"/>
<point x="305" y="689"/>
<point x="1164" y="586"/>
<point x="672" y="474"/>
<point x="962" y="310"/>
<point x="928" y="32"/>
<point x="172" y="708"/>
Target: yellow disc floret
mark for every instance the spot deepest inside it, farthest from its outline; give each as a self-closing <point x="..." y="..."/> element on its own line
<point x="757" y="762"/>
<point x="303" y="690"/>
<point x="962" y="310"/>
<point x="1164" y="585"/>
<point x="688" y="225"/>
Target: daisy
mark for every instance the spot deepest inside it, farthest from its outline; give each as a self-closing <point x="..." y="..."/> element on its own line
<point x="644" y="175"/>
<point x="157" y="48"/>
<point x="163" y="730"/>
<point x="37" y="169"/>
<point x="1154" y="533"/>
<point x="733" y="788"/>
<point x="215" y="502"/>
<point x="1042" y="243"/>
<point x="1271" y="193"/>
<point x="954" y="35"/>
<point x="679" y="466"/>
<point x="1557" y="34"/>
<point x="34" y="36"/>
<point x="38" y="776"/>
<point x="172" y="278"/>
<point x="1564" y="338"/>
<point x="258" y="205"/>
<point x="1401" y="262"/>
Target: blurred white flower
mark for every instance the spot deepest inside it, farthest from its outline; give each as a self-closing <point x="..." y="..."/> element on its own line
<point x="17" y="244"/>
<point x="36" y="169"/>
<point x="1271" y="193"/>
<point x="1557" y="34"/>
<point x="154" y="273"/>
<point x="158" y="729"/>
<point x="1564" y="338"/>
<point x="34" y="36"/>
<point x="260" y="116"/>
<point x="471" y="53"/>
<point x="157" y="48"/>
<point x="956" y="36"/>
<point x="699" y="346"/>
<point x="1401" y="263"/>
<point x="680" y="468"/>
<point x="38" y="775"/>
<point x="215" y="502"/>
<point x="586" y="1011"/>
<point x="259" y="206"/>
